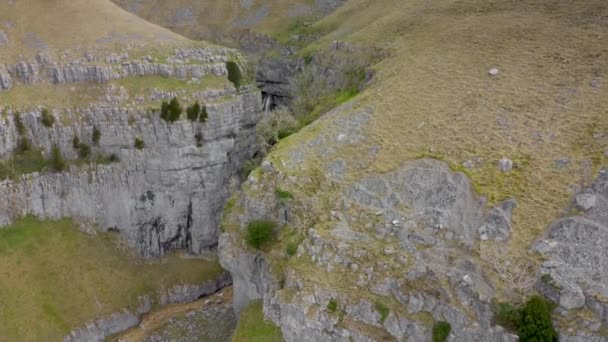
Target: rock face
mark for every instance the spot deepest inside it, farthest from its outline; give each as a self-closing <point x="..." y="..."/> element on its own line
<point x="272" y="77"/>
<point x="168" y="196"/>
<point x="576" y="253"/>
<point x="409" y="212"/>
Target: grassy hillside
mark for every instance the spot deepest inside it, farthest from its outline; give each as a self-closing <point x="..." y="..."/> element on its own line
<point x="433" y="95"/>
<point x="56" y="278"/>
<point x="211" y="19"/>
<point x="39" y="25"/>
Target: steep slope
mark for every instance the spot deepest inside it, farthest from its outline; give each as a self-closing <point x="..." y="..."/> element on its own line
<point x="510" y="97"/>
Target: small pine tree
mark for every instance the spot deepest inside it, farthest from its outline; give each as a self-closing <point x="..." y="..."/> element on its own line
<point x="175" y="110"/>
<point x="164" y="111"/>
<point x="47" y="118"/>
<point x="204" y="115"/>
<point x="234" y="74"/>
<point x="441" y="331"/>
<point x="193" y="111"/>
<point x="96" y="136"/>
<point x="75" y="142"/>
<point x="57" y="159"/>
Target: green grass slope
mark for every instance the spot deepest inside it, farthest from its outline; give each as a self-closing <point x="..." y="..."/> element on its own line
<point x="56" y="278"/>
<point x="39" y="25"/>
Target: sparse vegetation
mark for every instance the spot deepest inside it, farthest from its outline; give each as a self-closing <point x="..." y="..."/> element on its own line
<point x="22" y="163"/>
<point x="292" y="248"/>
<point x="84" y="151"/>
<point x="57" y="159"/>
<point x="283" y="195"/>
<point x="96" y="136"/>
<point x="204" y="115"/>
<point x="332" y="305"/>
<point x="47" y="118"/>
<point x="198" y="137"/>
<point x="259" y="233"/>
<point x="75" y="142"/>
<point x="382" y="309"/>
<point x="253" y="327"/>
<point x="441" y="331"/>
<point x="19" y="124"/>
<point x="234" y="74"/>
<point x="139" y="143"/>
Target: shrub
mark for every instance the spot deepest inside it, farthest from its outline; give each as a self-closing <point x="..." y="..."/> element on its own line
<point x="75" y="142"/>
<point x="535" y="321"/>
<point x="47" y="118"/>
<point x="285" y="132"/>
<point x="259" y="232"/>
<point x="199" y="139"/>
<point x="84" y="151"/>
<point x="19" y="124"/>
<point x="139" y="144"/>
<point x="175" y="110"/>
<point x="204" y="114"/>
<point x="234" y="74"/>
<point x="193" y="111"/>
<point x="383" y="310"/>
<point x="332" y="305"/>
<point x="57" y="159"/>
<point x="96" y="136"/>
<point x="164" y="111"/>
<point x="506" y="315"/>
<point x="441" y="331"/>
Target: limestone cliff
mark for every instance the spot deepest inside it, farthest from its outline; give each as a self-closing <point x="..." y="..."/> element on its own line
<point x="167" y="196"/>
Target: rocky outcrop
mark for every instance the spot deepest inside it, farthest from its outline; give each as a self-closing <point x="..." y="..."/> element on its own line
<point x="168" y="196"/>
<point x="102" y="328"/>
<point x="183" y="64"/>
<point x="425" y="216"/>
<point x="576" y="265"/>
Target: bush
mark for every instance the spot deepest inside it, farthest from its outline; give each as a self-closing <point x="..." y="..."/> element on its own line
<point x="275" y="125"/>
<point x="332" y="305"/>
<point x="139" y="144"/>
<point x="204" y="115"/>
<point x="47" y="118"/>
<point x="259" y="233"/>
<point x="441" y="331"/>
<point x="57" y="159"/>
<point x="193" y="111"/>
<point x="234" y="74"/>
<point x="75" y="142"/>
<point x="19" y="124"/>
<point x="96" y="136"/>
<point x="84" y="151"/>
<point x="535" y="321"/>
<point x="383" y="310"/>
<point x="175" y="110"/>
<point x="164" y="111"/>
